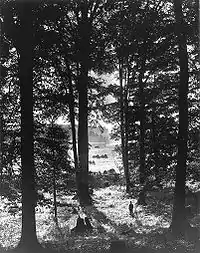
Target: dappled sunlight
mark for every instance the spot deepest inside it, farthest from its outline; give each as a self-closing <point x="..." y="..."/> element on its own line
<point x="113" y="203"/>
<point x="10" y="230"/>
<point x="109" y="217"/>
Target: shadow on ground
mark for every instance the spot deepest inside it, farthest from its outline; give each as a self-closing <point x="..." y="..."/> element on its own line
<point x="131" y="241"/>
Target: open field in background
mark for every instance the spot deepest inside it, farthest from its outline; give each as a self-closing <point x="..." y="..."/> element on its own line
<point x="113" y="160"/>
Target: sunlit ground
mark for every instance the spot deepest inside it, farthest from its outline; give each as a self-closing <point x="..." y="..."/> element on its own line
<point x="109" y="216"/>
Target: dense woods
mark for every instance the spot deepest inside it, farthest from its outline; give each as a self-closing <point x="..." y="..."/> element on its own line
<point x="69" y="69"/>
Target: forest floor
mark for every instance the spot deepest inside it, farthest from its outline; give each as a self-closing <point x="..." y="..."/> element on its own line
<point x="110" y="219"/>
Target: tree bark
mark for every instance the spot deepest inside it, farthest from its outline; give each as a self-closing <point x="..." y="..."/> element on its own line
<point x="1" y="119"/>
<point x="179" y="221"/>
<point x="84" y="49"/>
<point x="54" y="174"/>
<point x="54" y="192"/>
<point x="71" y="103"/>
<point x="1" y="141"/>
<point x="82" y="174"/>
<point x="28" y="233"/>
<point x="126" y="157"/>
<point x="155" y="148"/>
<point x="72" y="117"/>
<point x="142" y="133"/>
<point x="124" y="126"/>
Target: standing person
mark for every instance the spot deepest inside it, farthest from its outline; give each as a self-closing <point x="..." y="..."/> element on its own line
<point x="130" y="207"/>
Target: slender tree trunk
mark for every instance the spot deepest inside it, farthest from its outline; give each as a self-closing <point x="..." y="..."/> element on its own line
<point x="71" y="104"/>
<point x="155" y="149"/>
<point x="72" y="118"/>
<point x="73" y="127"/>
<point x="54" y="174"/>
<point x="82" y="175"/>
<point x="1" y="117"/>
<point x="71" y="107"/>
<point x="124" y="126"/>
<point x="122" y="115"/>
<point x="126" y="164"/>
<point x="1" y="141"/>
<point x="54" y="194"/>
<point x="179" y="221"/>
<point x="28" y="234"/>
<point x="142" y="133"/>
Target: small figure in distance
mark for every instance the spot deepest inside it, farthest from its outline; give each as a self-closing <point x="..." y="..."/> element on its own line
<point x="130" y="207"/>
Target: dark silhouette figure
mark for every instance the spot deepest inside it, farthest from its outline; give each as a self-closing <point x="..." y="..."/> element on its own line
<point x="130" y="207"/>
<point x="80" y="226"/>
<point x="88" y="224"/>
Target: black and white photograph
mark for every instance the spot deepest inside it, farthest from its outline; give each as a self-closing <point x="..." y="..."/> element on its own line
<point x="99" y="126"/>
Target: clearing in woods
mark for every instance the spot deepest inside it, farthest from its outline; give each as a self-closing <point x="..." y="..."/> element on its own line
<point x="112" y="161"/>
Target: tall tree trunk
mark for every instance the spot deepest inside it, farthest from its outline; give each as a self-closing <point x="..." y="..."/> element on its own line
<point x="28" y="234"/>
<point x="124" y="125"/>
<point x="1" y="141"/>
<point x="1" y="112"/>
<point x="75" y="153"/>
<point x="122" y="114"/>
<point x="73" y="127"/>
<point x="154" y="148"/>
<point x="54" y="194"/>
<point x="84" y="47"/>
<point x="72" y="117"/>
<point x="126" y="130"/>
<point x="142" y="133"/>
<point x="179" y="221"/>
<point x="71" y="103"/>
<point x="82" y="174"/>
<point x="54" y="174"/>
